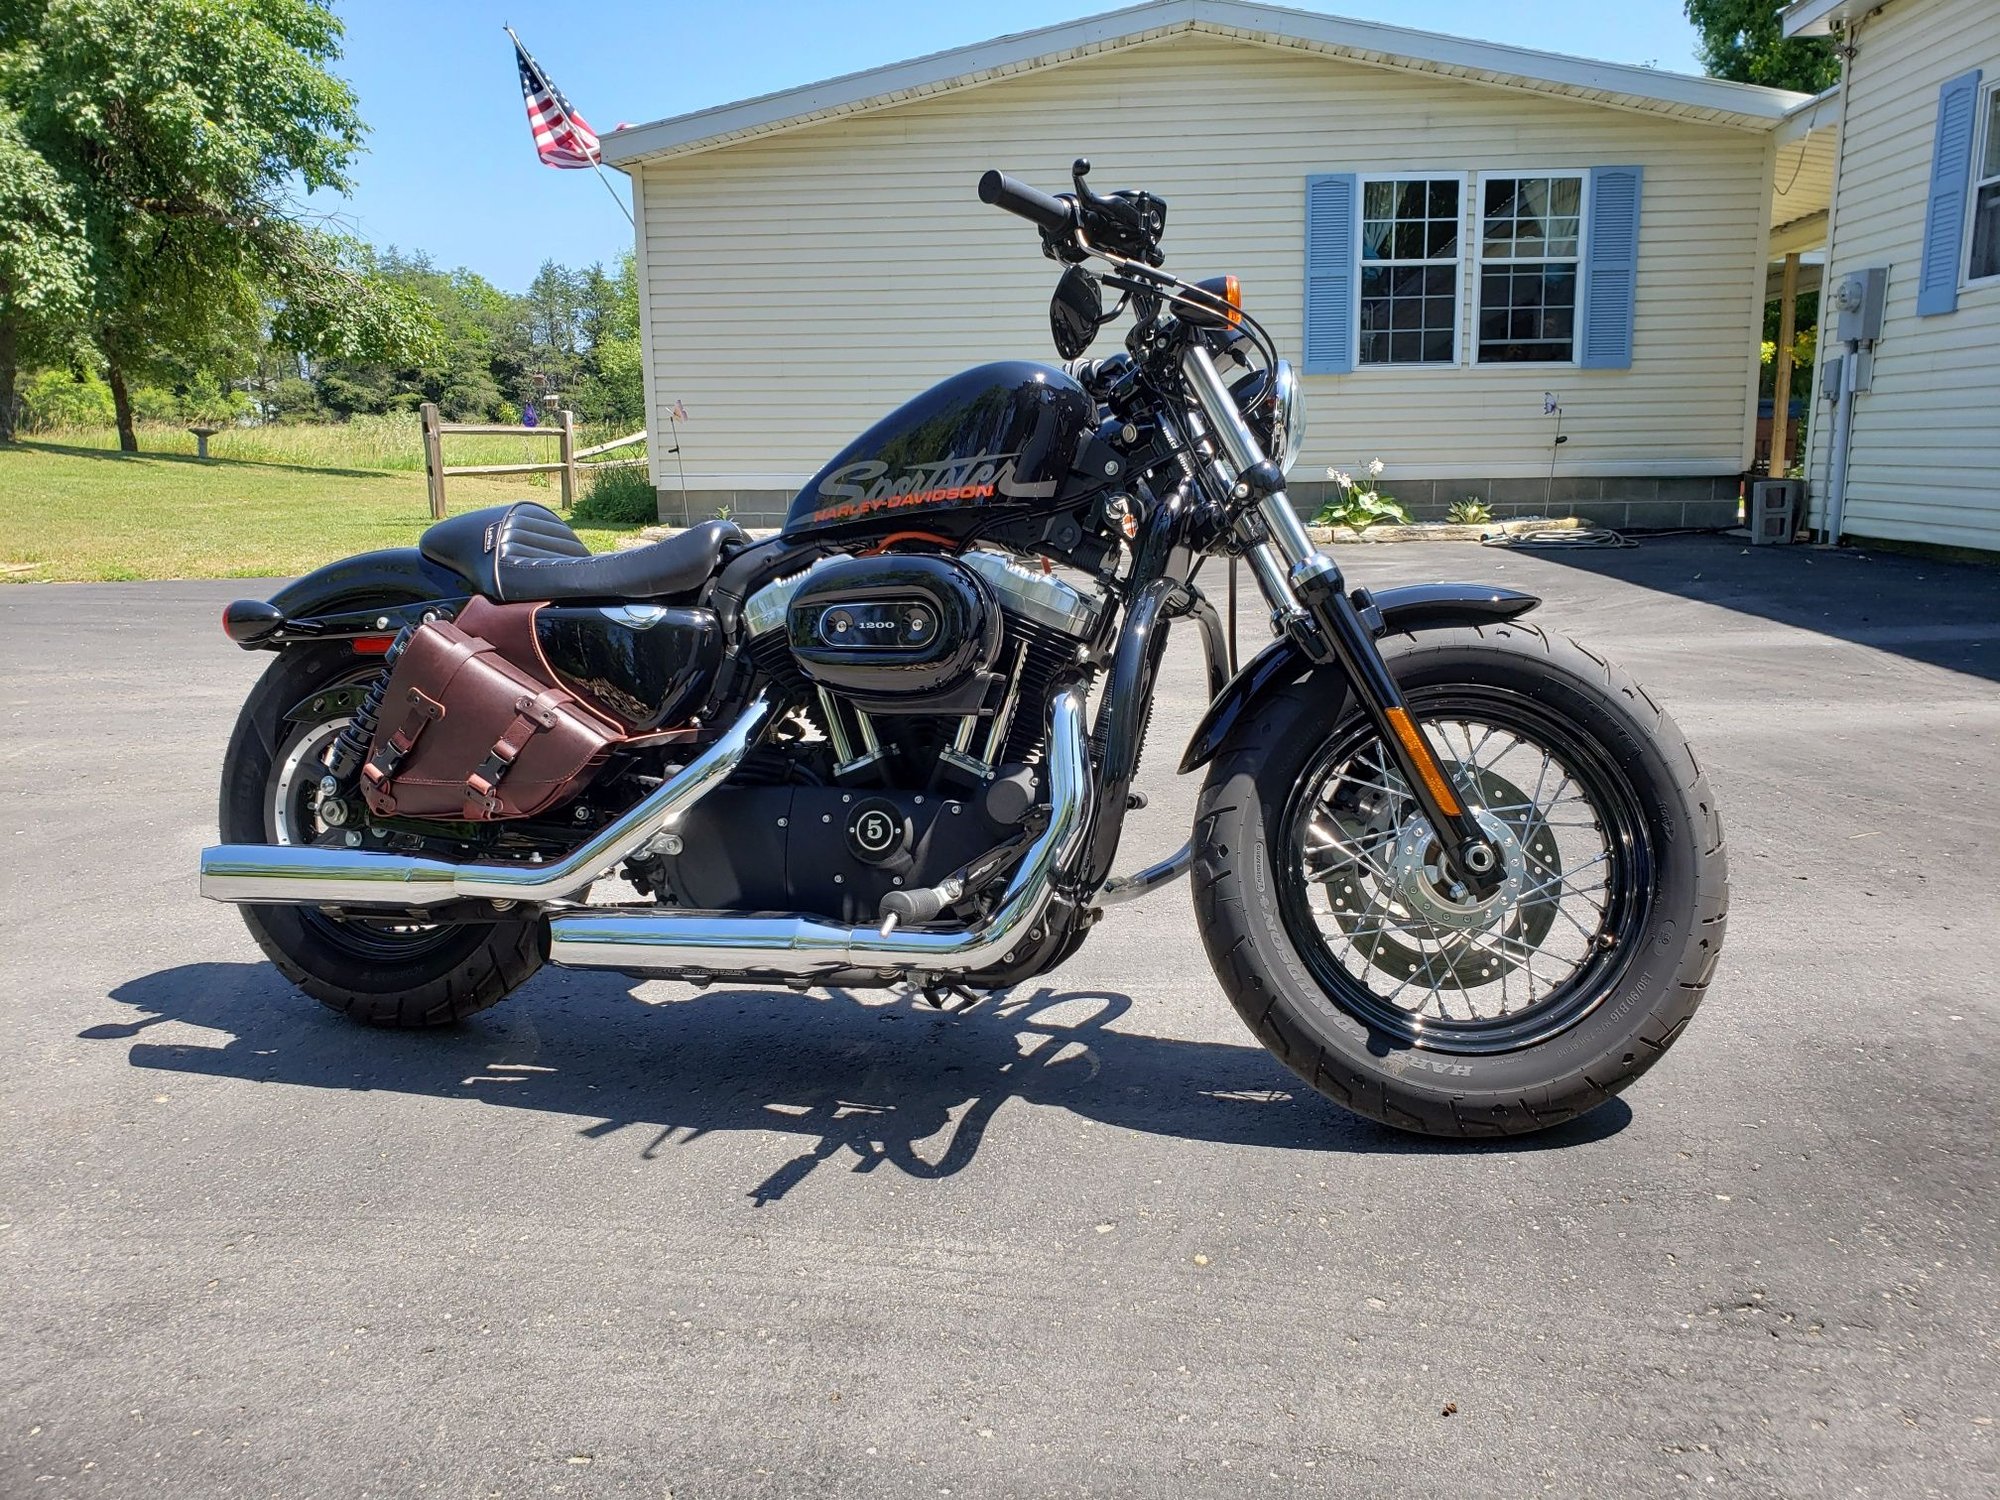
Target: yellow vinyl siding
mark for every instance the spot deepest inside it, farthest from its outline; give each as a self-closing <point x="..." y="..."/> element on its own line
<point x="802" y="283"/>
<point x="1925" y="457"/>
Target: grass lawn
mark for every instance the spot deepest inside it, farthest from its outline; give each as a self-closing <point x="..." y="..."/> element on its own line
<point x="70" y="512"/>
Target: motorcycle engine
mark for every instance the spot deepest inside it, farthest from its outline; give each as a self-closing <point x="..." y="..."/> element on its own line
<point x="928" y="678"/>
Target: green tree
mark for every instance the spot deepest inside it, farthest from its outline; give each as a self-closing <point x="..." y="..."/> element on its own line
<point x="476" y="360"/>
<point x="611" y="386"/>
<point x="1742" y="40"/>
<point x="44" y="264"/>
<point x="184" y="131"/>
<point x="554" y="310"/>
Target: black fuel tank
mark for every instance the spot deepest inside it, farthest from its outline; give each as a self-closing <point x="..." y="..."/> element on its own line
<point x="995" y="440"/>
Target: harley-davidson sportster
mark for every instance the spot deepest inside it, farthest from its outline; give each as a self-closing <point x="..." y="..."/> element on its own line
<point x="1458" y="874"/>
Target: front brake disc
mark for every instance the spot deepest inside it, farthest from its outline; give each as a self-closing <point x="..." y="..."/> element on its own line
<point x="1372" y="905"/>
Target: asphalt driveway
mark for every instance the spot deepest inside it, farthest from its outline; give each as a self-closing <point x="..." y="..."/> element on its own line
<point x="616" y="1239"/>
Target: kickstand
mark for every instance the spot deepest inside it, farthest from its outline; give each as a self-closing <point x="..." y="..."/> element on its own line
<point x="952" y="999"/>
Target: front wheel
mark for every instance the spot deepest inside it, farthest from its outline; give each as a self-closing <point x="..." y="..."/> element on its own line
<point x="1387" y="984"/>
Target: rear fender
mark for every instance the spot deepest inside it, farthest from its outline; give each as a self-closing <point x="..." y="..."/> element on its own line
<point x="1404" y="611"/>
<point x="372" y="594"/>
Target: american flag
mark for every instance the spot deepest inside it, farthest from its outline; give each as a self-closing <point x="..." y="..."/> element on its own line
<point x="563" y="138"/>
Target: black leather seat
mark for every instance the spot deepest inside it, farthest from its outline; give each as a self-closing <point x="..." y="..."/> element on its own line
<point x="521" y="552"/>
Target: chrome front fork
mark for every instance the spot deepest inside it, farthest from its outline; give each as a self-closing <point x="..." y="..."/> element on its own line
<point x="1310" y="601"/>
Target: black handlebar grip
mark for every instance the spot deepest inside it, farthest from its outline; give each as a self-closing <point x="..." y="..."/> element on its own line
<point x="1032" y="204"/>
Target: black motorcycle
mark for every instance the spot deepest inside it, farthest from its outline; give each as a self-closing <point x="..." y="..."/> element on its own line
<point x="1458" y="874"/>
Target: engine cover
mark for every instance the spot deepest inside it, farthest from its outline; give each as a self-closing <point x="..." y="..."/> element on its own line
<point x="824" y="850"/>
<point x="906" y="633"/>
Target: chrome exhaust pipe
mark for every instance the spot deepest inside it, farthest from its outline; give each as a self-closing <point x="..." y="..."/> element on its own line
<point x="713" y="943"/>
<point x="308" y="875"/>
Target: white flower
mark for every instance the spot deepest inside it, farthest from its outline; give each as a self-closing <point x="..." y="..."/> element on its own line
<point x="1375" y="468"/>
<point x="1340" y="479"/>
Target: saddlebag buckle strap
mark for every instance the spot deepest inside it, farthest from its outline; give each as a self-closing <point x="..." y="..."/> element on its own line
<point x="531" y="716"/>
<point x="382" y="766"/>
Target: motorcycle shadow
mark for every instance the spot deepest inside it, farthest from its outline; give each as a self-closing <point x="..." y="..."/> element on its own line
<point x="886" y="1080"/>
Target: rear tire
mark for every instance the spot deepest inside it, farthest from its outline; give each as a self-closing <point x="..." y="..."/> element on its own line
<point x="1506" y="1075"/>
<point x="377" y="973"/>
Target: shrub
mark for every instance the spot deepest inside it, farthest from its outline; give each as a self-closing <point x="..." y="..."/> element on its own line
<point x="1471" y="511"/>
<point x="622" y="496"/>
<point x="55" y="399"/>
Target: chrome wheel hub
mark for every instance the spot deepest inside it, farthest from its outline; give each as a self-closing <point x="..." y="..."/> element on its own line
<point x="295" y="791"/>
<point x="1436" y="896"/>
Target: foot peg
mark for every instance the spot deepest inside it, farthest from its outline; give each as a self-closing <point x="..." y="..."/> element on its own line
<point x="913" y="908"/>
<point x="921" y="904"/>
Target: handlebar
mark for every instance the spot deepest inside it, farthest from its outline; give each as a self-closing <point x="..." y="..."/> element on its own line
<point x="1125" y="223"/>
<point x="1056" y="215"/>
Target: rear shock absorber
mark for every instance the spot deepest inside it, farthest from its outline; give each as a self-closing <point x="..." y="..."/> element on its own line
<point x="351" y="749"/>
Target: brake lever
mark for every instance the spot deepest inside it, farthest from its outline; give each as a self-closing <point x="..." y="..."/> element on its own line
<point x="1127" y="221"/>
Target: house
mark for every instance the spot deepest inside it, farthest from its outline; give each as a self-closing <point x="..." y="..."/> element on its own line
<point x="1472" y="250"/>
<point x="1912" y="452"/>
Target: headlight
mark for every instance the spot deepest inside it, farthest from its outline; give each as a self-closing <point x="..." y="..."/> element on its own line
<point x="1275" y="408"/>
<point x="1288" y="418"/>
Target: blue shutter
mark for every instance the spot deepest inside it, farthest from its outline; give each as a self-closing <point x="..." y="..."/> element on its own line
<point x="1944" y="219"/>
<point x="1330" y="250"/>
<point x="1610" y="268"/>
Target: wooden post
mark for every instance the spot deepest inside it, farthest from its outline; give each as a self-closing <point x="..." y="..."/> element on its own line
<point x="568" y="458"/>
<point x="1781" y="405"/>
<point x="433" y="459"/>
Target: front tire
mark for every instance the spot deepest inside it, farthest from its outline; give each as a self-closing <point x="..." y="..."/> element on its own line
<point x="380" y="973"/>
<point x="1354" y="956"/>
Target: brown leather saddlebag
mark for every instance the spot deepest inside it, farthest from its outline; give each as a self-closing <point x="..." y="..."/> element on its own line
<point x="465" y="733"/>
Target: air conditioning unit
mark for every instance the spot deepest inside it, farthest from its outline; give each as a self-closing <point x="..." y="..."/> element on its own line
<point x="1776" y="506"/>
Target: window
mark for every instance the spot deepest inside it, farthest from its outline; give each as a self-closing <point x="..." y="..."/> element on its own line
<point x="1530" y="232"/>
<point x="1410" y="255"/>
<point x="1985" y="236"/>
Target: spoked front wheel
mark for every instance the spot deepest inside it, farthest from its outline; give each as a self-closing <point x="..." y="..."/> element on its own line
<point x="1361" y="959"/>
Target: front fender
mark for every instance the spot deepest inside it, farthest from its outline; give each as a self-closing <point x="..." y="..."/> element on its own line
<point x="351" y="597"/>
<point x="1418" y="606"/>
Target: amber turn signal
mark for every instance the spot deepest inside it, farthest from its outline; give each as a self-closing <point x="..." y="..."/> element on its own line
<point x="1220" y="304"/>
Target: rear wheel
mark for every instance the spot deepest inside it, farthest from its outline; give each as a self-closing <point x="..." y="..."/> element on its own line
<point x="1360" y="960"/>
<point x="380" y="971"/>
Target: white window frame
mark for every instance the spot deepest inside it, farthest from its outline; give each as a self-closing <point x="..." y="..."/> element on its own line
<point x="1983" y="120"/>
<point x="1361" y="263"/>
<point x="1475" y="295"/>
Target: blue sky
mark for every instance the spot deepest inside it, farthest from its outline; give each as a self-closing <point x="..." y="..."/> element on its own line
<point x="450" y="168"/>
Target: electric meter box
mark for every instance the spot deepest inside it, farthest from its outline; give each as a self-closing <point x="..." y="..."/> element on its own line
<point x="1859" y="298"/>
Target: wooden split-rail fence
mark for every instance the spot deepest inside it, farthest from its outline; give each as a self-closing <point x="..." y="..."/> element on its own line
<point x="570" y="459"/>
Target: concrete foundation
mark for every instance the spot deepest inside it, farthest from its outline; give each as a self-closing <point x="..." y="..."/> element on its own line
<point x="1627" y="504"/>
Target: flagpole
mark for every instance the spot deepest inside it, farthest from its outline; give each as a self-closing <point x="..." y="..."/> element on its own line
<point x="556" y="98"/>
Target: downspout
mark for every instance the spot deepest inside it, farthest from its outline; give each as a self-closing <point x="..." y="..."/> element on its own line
<point x="1840" y="444"/>
<point x="1837" y="447"/>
